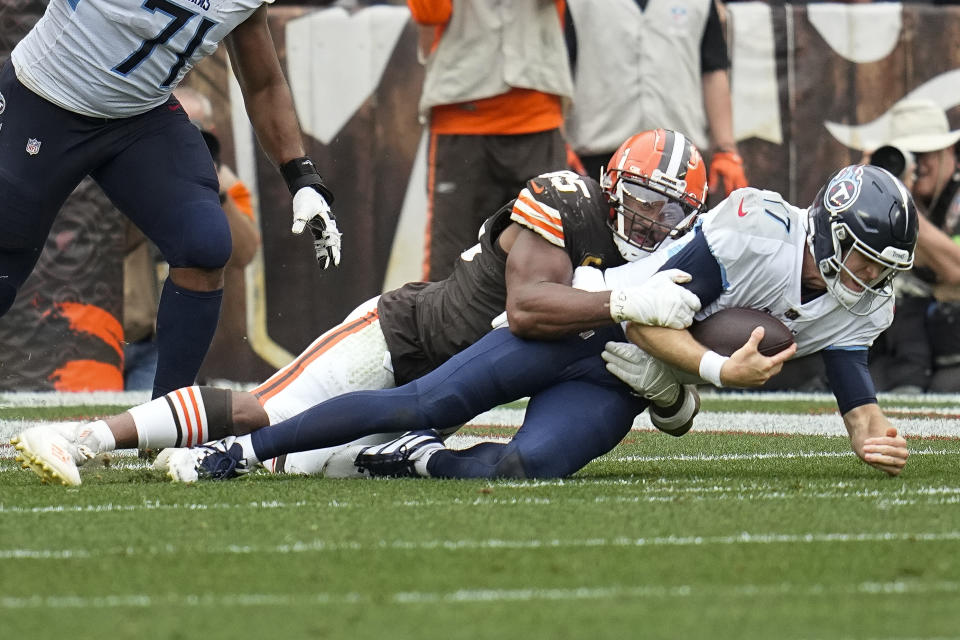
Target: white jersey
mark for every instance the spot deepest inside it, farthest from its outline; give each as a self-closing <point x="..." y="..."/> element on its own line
<point x="759" y="239"/>
<point x="120" y="58"/>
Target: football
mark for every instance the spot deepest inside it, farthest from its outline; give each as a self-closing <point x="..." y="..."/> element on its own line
<point x="728" y="329"/>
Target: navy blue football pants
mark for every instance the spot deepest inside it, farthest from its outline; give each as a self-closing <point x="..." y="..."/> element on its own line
<point x="577" y="409"/>
<point x="155" y="167"/>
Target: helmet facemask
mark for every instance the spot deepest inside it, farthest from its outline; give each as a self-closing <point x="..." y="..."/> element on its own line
<point x="652" y="182"/>
<point x="860" y="296"/>
<point x="643" y="215"/>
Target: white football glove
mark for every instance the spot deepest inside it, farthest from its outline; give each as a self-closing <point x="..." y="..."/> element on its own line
<point x="310" y="209"/>
<point x="660" y="301"/>
<point x="647" y="376"/>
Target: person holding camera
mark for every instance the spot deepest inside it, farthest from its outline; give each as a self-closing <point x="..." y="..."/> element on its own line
<point x="921" y="350"/>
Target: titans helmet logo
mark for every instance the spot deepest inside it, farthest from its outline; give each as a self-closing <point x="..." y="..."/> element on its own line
<point x="843" y="189"/>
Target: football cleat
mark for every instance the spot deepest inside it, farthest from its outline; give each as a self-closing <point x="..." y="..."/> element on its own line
<point x="162" y="461"/>
<point x="399" y="458"/>
<point x="341" y="463"/>
<point x="45" y="451"/>
<point x="677" y="419"/>
<point x="219" y="460"/>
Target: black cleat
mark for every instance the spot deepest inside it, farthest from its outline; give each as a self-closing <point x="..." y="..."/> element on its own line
<point x="398" y="458"/>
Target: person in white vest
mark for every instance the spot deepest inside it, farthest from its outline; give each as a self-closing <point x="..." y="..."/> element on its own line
<point x="88" y="92"/>
<point x="641" y="64"/>
<point x="497" y="77"/>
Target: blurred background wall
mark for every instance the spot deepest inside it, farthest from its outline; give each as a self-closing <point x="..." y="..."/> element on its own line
<point x="811" y="86"/>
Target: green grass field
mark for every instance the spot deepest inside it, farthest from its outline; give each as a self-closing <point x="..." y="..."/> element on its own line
<point x="727" y="533"/>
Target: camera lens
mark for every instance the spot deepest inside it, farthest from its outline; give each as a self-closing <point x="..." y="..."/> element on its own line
<point x="890" y="158"/>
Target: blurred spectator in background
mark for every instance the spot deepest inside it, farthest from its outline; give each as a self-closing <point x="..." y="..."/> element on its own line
<point x="144" y="269"/>
<point x="143" y="273"/>
<point x="921" y="350"/>
<point x="497" y="75"/>
<point x="642" y="64"/>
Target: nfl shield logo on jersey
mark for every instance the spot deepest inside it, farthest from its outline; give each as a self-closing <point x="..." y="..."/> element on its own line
<point x="843" y="189"/>
<point x="33" y="146"/>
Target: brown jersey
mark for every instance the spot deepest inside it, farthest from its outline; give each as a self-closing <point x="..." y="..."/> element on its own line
<point x="425" y="323"/>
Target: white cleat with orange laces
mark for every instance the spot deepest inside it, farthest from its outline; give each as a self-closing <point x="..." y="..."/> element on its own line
<point x="48" y="453"/>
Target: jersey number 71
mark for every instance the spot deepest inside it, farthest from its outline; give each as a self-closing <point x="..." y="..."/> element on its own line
<point x="179" y="17"/>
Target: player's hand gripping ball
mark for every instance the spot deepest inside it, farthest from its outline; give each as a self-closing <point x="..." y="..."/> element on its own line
<point x="729" y="329"/>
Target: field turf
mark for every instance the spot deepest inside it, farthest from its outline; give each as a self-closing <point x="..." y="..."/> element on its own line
<point x="724" y="533"/>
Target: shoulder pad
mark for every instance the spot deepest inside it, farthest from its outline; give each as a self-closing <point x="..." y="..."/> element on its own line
<point x="551" y="200"/>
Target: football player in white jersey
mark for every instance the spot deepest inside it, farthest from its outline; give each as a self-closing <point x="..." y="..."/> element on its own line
<point x="88" y="92"/>
<point x="826" y="272"/>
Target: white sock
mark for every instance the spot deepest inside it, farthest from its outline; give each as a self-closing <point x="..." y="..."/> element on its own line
<point x="97" y="436"/>
<point x="420" y="464"/>
<point x="177" y="419"/>
<point x="246" y="443"/>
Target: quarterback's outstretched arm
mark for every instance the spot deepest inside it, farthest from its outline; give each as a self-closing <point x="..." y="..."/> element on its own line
<point x="875" y="440"/>
<point x="872" y="437"/>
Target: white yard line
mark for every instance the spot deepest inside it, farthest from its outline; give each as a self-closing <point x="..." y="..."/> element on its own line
<point x="740" y="422"/>
<point x="763" y="423"/>
<point x="748" y="591"/>
<point x="640" y="491"/>
<point x="762" y="456"/>
<point x="324" y="546"/>
<point x="64" y="399"/>
<point x="127" y="458"/>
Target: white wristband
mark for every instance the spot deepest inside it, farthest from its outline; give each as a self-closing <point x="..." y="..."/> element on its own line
<point x="710" y="365"/>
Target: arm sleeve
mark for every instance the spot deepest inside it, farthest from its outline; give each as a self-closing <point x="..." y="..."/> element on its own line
<point x="697" y="260"/>
<point x="849" y="377"/>
<point x="713" y="46"/>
